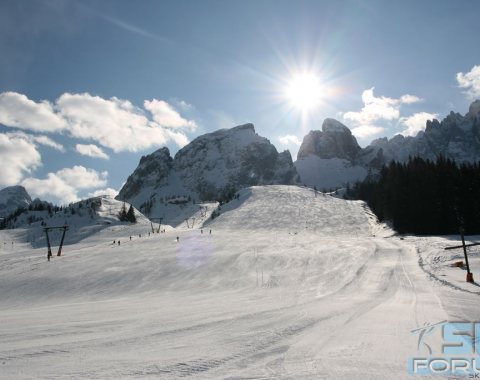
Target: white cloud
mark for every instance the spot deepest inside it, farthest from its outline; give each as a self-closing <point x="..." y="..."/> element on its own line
<point x="108" y="191"/>
<point x="16" y="110"/>
<point x="364" y="131"/>
<point x="184" y="105"/>
<point x="165" y="115"/>
<point x="113" y="123"/>
<point x="91" y="150"/>
<point x="416" y="122"/>
<point x="83" y="178"/>
<point x="289" y="140"/>
<point x="18" y="155"/>
<point x="410" y="99"/>
<point x="47" y="141"/>
<point x="64" y="184"/>
<point x="179" y="138"/>
<point x="470" y="81"/>
<point x="379" y="108"/>
<point x="376" y="109"/>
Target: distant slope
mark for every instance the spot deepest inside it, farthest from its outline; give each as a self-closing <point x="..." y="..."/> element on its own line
<point x="84" y="218"/>
<point x="293" y="209"/>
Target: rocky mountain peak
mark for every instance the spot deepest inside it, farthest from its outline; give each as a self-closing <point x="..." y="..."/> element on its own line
<point x="334" y="141"/>
<point x="13" y="197"/>
<point x="474" y="109"/>
<point x="211" y="167"/>
<point x="152" y="171"/>
<point x="334" y="126"/>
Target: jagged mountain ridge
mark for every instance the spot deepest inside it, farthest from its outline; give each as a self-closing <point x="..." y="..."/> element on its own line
<point x="456" y="137"/>
<point x="211" y="167"/>
<point x="333" y="158"/>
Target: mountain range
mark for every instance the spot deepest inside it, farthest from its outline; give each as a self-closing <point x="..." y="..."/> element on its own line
<point x="215" y="166"/>
<point x="332" y="157"/>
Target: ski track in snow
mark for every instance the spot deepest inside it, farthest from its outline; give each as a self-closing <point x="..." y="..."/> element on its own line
<point x="288" y="285"/>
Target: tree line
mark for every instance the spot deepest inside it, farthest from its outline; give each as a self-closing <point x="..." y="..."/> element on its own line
<point x="425" y="197"/>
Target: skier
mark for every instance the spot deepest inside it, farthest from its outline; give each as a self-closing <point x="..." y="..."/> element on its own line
<point x="210" y="232"/>
<point x="130" y="238"/>
<point x="201" y="231"/>
<point x="119" y="242"/>
<point x="114" y="242"/>
<point x="178" y="239"/>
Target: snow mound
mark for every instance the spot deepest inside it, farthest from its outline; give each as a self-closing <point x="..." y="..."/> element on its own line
<point x="293" y="209"/>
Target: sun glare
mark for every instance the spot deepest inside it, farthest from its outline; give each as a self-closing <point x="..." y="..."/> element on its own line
<point x="304" y="91"/>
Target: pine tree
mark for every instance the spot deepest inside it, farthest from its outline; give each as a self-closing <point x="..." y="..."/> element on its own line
<point x="130" y="216"/>
<point x="122" y="215"/>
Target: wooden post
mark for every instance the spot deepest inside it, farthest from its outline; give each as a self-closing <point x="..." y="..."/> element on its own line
<point x="61" y="241"/>
<point x="49" y="254"/>
<point x="469" y="274"/>
<point x="46" y="229"/>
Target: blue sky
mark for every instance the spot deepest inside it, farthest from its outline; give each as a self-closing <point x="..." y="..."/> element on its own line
<point x="88" y="87"/>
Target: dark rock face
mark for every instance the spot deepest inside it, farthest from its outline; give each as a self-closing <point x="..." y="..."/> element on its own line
<point x="211" y="165"/>
<point x="152" y="171"/>
<point x="334" y="141"/>
<point x="13" y="197"/>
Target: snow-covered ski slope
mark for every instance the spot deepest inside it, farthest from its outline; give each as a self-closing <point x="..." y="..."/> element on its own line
<point x="287" y="285"/>
<point x="295" y="209"/>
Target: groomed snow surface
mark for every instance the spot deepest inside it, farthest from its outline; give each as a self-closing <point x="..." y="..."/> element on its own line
<point x="287" y="285"/>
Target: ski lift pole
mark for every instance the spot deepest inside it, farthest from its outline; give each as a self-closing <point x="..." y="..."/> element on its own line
<point x="65" y="228"/>
<point x="49" y="254"/>
<point x="469" y="274"/>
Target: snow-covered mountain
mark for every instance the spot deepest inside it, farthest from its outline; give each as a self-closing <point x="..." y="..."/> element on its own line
<point x="11" y="198"/>
<point x="333" y="158"/>
<point x="330" y="157"/>
<point x="456" y="137"/>
<point x="212" y="167"/>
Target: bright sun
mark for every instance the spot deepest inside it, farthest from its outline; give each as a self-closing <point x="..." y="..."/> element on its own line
<point x="304" y="91"/>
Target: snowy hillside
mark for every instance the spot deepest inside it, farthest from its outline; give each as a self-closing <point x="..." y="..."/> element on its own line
<point x="84" y="218"/>
<point x="267" y="208"/>
<point x="282" y="284"/>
